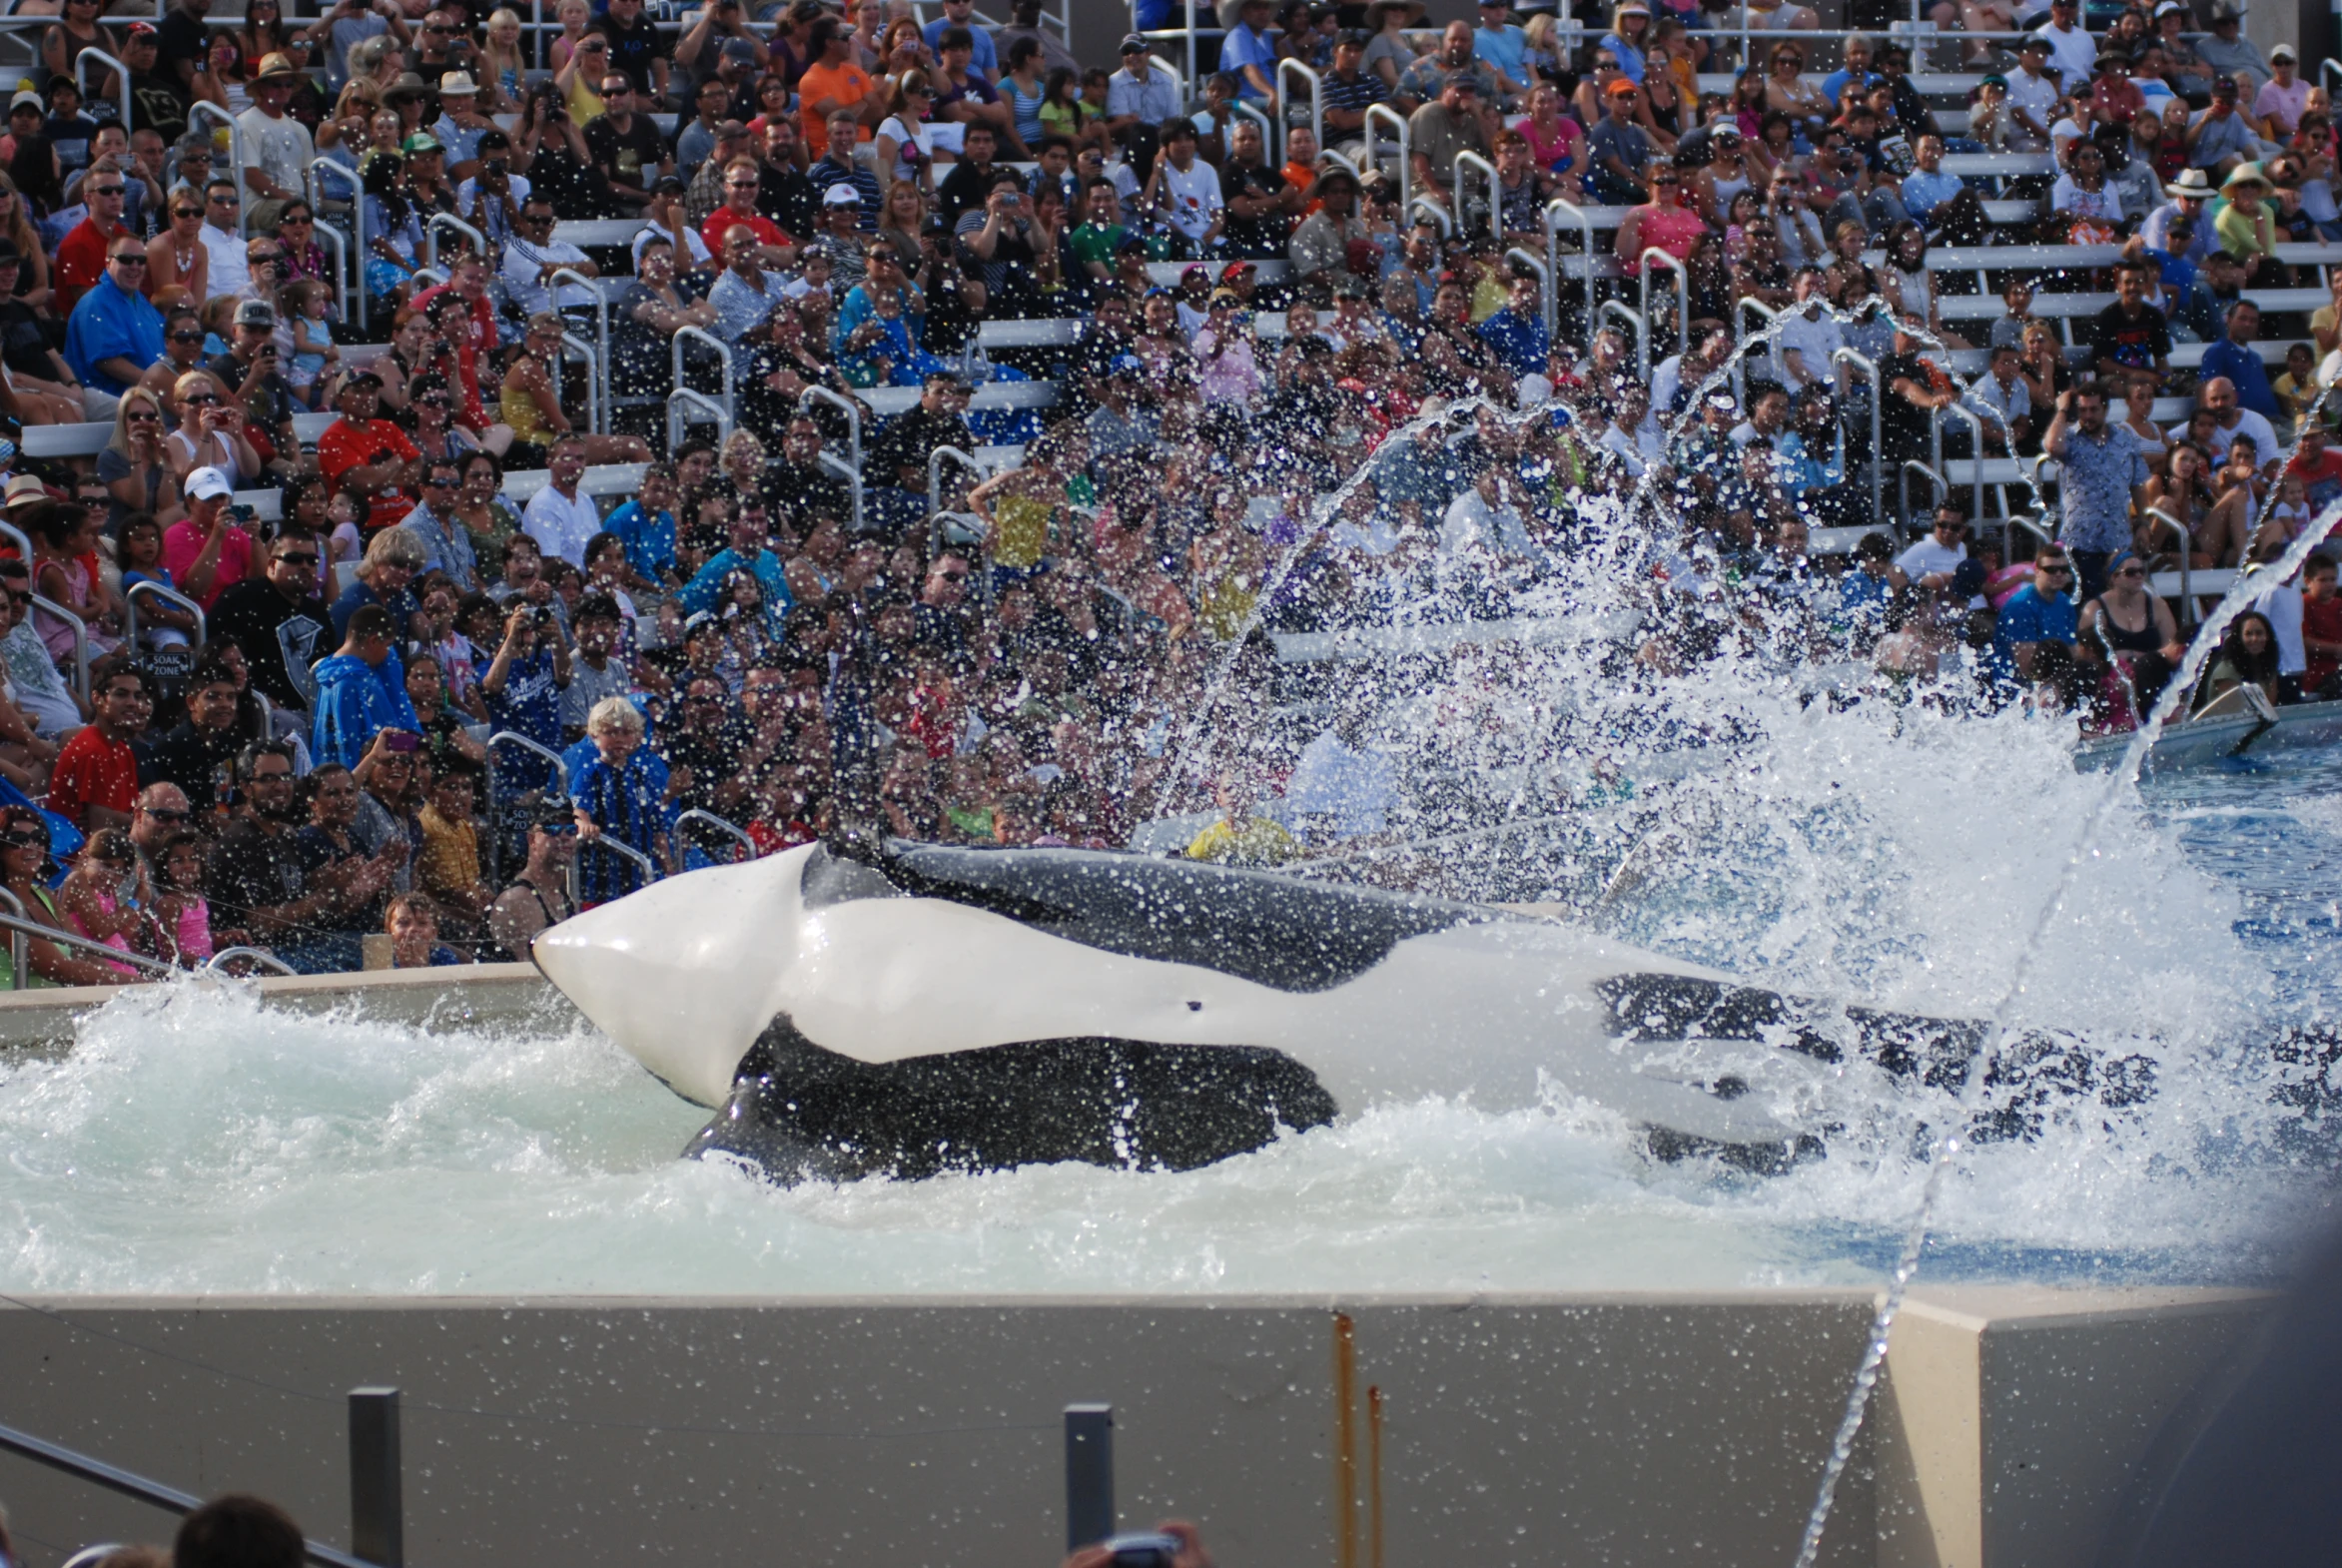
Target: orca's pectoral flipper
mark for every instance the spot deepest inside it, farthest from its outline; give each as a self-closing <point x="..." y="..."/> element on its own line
<point x="801" y="1113"/>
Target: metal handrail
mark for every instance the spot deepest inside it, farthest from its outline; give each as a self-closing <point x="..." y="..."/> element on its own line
<point x="602" y="310"/>
<point x="16" y="536"/>
<point x="935" y="485"/>
<point x="431" y="237"/>
<point x="1269" y="140"/>
<point x="131" y="1484"/>
<point x="720" y="824"/>
<point x="1284" y="108"/>
<point x="813" y="394"/>
<point x="169" y="597"/>
<point x="1975" y="424"/>
<point x="1862" y="363"/>
<point x="1424" y="206"/>
<point x="1556" y="210"/>
<point x="1638" y="321"/>
<point x="1406" y="174"/>
<point x="1466" y="161"/>
<point x="354" y="270"/>
<point x="32" y="928"/>
<point x="332" y="237"/>
<point x="850" y="475"/>
<point x="120" y="79"/>
<point x="1548" y="295"/>
<point x="596" y="416"/>
<point x="508" y="737"/>
<point x="18" y="954"/>
<point x="1683" y="291"/>
<point x="1902" y="482"/>
<point x="81" y="642"/>
<point x="203" y="106"/>
<point x="1740" y="310"/>
<point x="678" y="416"/>
<point x="724" y="352"/>
<point x="624" y="850"/>
<point x="505" y="737"/>
<point x="252" y="955"/>
<point x="2187" y="550"/>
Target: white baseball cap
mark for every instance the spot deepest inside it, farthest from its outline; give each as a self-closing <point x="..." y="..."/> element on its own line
<point x="208" y="484"/>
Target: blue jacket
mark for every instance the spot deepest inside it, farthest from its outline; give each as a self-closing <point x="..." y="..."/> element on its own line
<point x="355" y="701"/>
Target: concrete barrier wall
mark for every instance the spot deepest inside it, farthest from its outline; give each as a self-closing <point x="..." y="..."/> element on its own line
<point x="1363" y="1434"/>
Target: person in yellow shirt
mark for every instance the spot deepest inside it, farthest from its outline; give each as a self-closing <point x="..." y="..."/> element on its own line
<point x="1238" y="838"/>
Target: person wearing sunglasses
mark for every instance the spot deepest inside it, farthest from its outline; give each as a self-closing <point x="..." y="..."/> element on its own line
<point x="2032" y="619"/>
<point x="279" y="621"/>
<point x="114" y="332"/>
<point x="24" y="863"/>
<point x="446" y="542"/>
<point x="539" y="896"/>
<point x="81" y="254"/>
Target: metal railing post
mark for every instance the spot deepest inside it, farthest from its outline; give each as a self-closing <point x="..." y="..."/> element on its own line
<point x="723" y="353"/>
<point x="1465" y="162"/>
<point x="935" y="478"/>
<point x="112" y="955"/>
<point x="505" y="737"/>
<point x="1268" y="136"/>
<point x="596" y="414"/>
<point x="1682" y="292"/>
<point x="354" y="270"/>
<point x="1975" y="441"/>
<point x="1090" y="1475"/>
<point x="1862" y="361"/>
<point x="1376" y="113"/>
<point x="431" y="237"/>
<point x="120" y="79"/>
<point x="1556" y="210"/>
<point x="626" y="852"/>
<point x="202" y="107"/>
<point x="1638" y="321"/>
<point x="681" y="401"/>
<point x="813" y="394"/>
<point x="1284" y="108"/>
<point x="169" y="597"/>
<point x="601" y="314"/>
<point x="722" y="825"/>
<point x="216" y="963"/>
<point x="1932" y="475"/>
<point x="378" y="1514"/>
<point x="80" y="640"/>
<point x="16" y="943"/>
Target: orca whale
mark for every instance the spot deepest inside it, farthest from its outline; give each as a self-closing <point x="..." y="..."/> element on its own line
<point x="904" y="1010"/>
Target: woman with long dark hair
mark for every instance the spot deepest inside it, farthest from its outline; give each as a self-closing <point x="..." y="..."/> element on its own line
<point x="24" y="858"/>
<point x="2247" y="656"/>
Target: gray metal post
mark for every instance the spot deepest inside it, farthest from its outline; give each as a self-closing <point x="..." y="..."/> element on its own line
<point x="1090" y="1475"/>
<point x="377" y="1515"/>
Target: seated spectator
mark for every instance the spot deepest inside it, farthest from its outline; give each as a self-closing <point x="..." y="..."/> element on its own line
<point x="2039" y="615"/>
<point x="198" y="756"/>
<point x="114" y="333"/>
<point x="539" y="895"/>
<point x="411" y="921"/>
<point x="95" y="783"/>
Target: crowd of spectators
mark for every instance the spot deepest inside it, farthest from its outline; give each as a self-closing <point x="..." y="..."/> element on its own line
<point x="1281" y="403"/>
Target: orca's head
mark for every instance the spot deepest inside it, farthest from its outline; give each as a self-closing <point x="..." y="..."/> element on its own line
<point x="685" y="974"/>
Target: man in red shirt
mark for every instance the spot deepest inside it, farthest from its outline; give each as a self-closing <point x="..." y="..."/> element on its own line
<point x="774" y="249"/>
<point x="205" y="552"/>
<point x="81" y="255"/>
<point x="94" y="784"/>
<point x="371" y="454"/>
<point x="2317" y="465"/>
<point x="468" y="290"/>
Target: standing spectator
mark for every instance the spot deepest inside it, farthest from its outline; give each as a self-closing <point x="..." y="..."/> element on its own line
<point x="639" y="49"/>
<point x="1139" y="102"/>
<point x="278" y="146"/>
<point x="625" y="792"/>
<point x="626" y="146"/>
<point x="2100" y="479"/>
<point x="524" y="679"/>
<point x="115" y="334"/>
<point x="361" y="691"/>
<point x="833" y="84"/>
<point x="95" y="782"/>
<point x="278" y="620"/>
<point x="81" y="254"/>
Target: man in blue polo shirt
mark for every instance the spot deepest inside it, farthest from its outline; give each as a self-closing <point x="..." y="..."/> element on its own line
<point x="114" y="333"/>
<point x="2041" y="612"/>
<point x="1247" y="54"/>
<point x="2235" y="358"/>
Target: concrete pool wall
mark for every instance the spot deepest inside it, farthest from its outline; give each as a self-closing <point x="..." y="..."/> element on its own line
<point x="1353" y="1432"/>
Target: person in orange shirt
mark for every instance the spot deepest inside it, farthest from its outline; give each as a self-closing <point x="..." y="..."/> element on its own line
<point x="833" y="84"/>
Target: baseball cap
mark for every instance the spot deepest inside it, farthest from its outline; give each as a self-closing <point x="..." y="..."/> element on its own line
<point x="27" y="98"/>
<point x="740" y="49"/>
<point x="256" y="313"/>
<point x="1124" y="365"/>
<point x="140" y="29"/>
<point x="2284" y="52"/>
<point x="1968" y="579"/>
<point x="208" y="484"/>
<point x="841" y="196"/>
<point x="1133" y="44"/>
<point x="421" y="142"/>
<point x="1235" y="270"/>
<point x="8" y="255"/>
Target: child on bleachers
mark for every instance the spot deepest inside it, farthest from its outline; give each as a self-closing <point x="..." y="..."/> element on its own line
<point x="2297" y="388"/>
<point x="139" y="546"/>
<point x="314" y="352"/>
<point x="343" y="514"/>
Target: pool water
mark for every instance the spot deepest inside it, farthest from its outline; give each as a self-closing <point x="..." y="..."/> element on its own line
<point x="192" y="1142"/>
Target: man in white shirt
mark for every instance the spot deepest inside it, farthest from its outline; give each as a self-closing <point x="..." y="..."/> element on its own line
<point x="2032" y="97"/>
<point x="1185" y="190"/>
<point x="561" y="518"/>
<point x="1768" y="417"/>
<point x="2281" y="603"/>
<point x="2219" y="396"/>
<point x="1928" y="565"/>
<point x="278" y="145"/>
<point x="2071" y="49"/>
<point x="1808" y="337"/>
<point x="534" y="256"/>
<point x="226" y="269"/>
